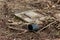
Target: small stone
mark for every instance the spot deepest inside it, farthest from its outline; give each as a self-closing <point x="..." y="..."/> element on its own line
<point x="53" y="6"/>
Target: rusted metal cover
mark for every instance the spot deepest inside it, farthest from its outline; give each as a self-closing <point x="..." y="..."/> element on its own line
<point x="29" y="16"/>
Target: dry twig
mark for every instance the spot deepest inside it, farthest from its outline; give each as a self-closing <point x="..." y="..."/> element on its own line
<point x="47" y="25"/>
<point x="58" y="27"/>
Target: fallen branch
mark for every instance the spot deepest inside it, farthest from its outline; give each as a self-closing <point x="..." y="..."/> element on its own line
<point x="47" y="25"/>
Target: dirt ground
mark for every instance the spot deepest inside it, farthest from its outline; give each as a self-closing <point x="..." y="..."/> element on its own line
<point x="45" y="7"/>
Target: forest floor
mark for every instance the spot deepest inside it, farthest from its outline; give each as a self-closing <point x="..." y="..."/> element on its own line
<point x="45" y="7"/>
